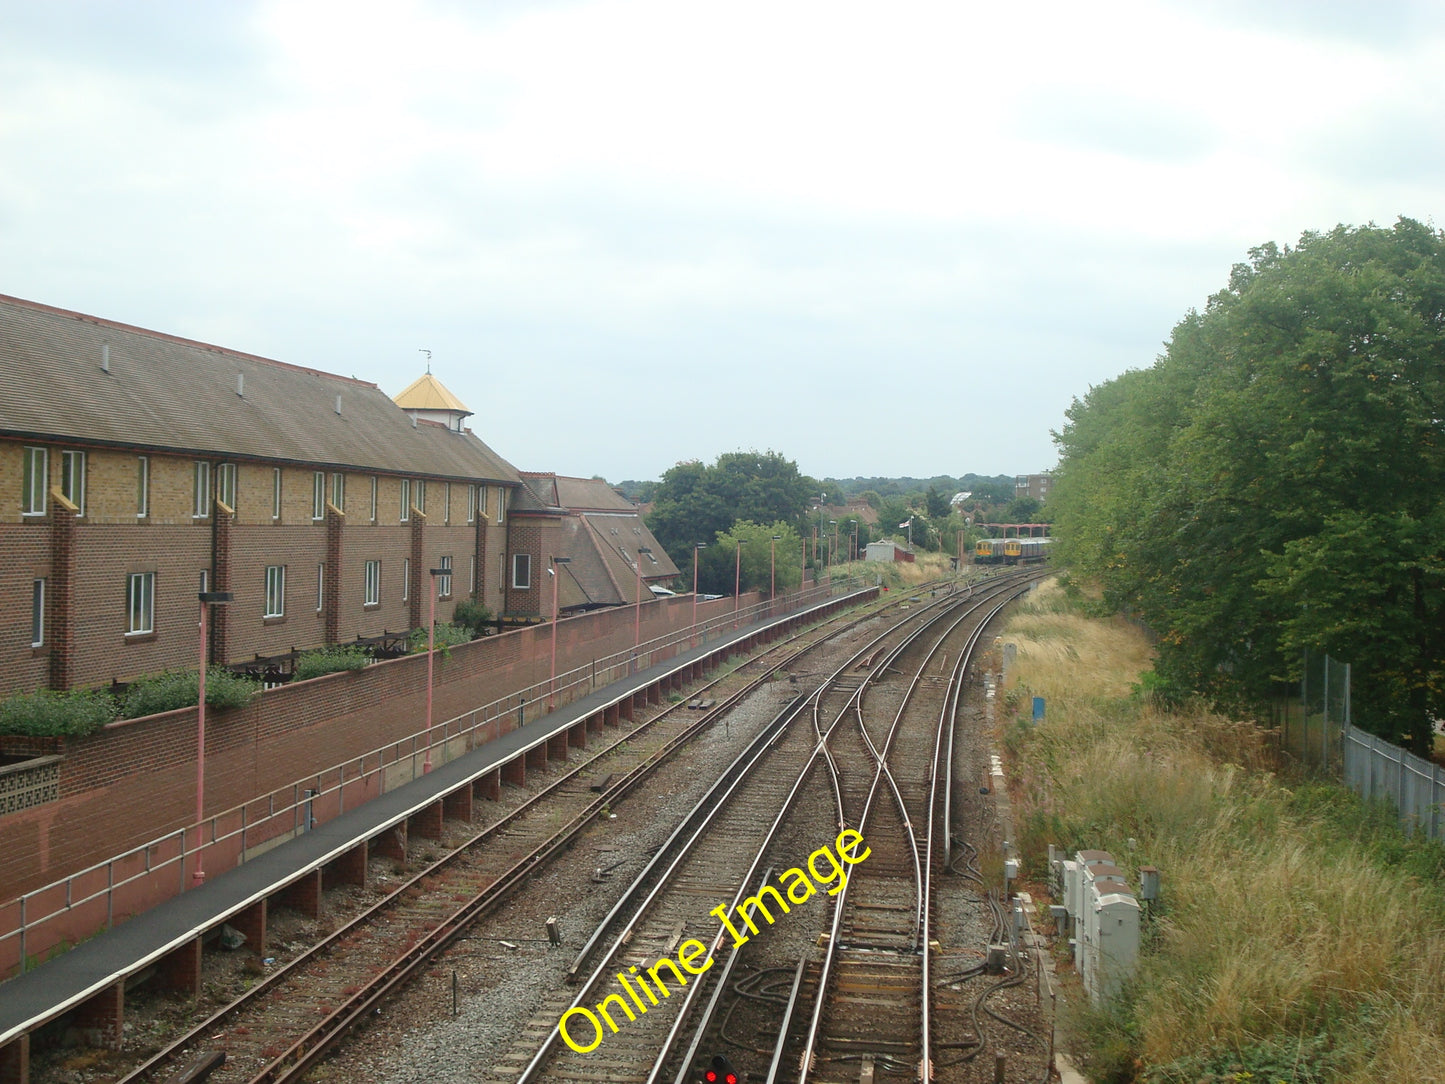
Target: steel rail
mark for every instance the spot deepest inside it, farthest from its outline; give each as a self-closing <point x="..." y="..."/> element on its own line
<point x="713" y="801"/>
<point x="511" y="876"/>
<point x="809" y="1052"/>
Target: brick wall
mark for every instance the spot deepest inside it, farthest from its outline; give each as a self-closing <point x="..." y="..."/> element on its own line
<point x="86" y="629"/>
<point x="136" y="780"/>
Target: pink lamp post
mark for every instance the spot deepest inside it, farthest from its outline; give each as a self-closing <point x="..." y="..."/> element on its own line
<point x="737" y="582"/>
<point x="696" y="546"/>
<point x="637" y="623"/>
<point x="552" y="680"/>
<point x="772" y="570"/>
<point x="207" y="600"/>
<point x="431" y="630"/>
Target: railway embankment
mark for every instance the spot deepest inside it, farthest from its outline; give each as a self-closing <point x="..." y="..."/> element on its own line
<point x="1299" y="935"/>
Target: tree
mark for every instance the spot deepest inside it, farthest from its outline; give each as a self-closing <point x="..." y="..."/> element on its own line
<point x="1273" y="482"/>
<point x="694" y="502"/>
<point x="753" y="543"/>
<point x="936" y="503"/>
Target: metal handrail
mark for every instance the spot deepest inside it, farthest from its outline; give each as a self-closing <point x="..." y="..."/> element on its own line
<point x="304" y="792"/>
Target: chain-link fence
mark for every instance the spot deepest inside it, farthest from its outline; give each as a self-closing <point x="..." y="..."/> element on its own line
<point x="1315" y="729"/>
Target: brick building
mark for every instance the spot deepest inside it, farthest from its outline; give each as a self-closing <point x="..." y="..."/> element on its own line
<point x="607" y="549"/>
<point x="138" y="468"/>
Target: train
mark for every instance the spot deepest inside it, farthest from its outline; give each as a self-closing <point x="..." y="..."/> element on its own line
<point x="1010" y="551"/>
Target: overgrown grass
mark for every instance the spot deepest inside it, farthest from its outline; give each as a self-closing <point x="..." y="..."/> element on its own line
<point x="1302" y="936"/>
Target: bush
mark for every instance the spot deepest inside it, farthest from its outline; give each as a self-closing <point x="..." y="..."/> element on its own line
<point x="52" y="714"/>
<point x="447" y="635"/>
<point x="328" y="660"/>
<point x="177" y="689"/>
<point x="473" y="615"/>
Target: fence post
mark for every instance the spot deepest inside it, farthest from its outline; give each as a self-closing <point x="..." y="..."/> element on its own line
<point x="1437" y="799"/>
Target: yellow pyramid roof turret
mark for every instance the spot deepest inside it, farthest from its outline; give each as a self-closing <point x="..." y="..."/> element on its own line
<point x="426" y="392"/>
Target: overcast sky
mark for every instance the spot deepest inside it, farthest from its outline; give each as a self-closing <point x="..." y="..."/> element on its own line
<point x="880" y="238"/>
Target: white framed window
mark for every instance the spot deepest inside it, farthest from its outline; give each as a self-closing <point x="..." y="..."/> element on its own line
<point x="37" y="613"/>
<point x="471" y="504"/>
<point x="226" y="485"/>
<point x="472" y="575"/>
<point x="372" y="597"/>
<point x="444" y="581"/>
<point x="405" y="578"/>
<point x="35" y="481"/>
<point x="320" y="587"/>
<point x="318" y="494"/>
<point x="140" y="602"/>
<point x="373" y="498"/>
<point x="142" y="486"/>
<point x="406" y="500"/>
<point x="419" y="495"/>
<point x="275" y="590"/>
<point x="202" y="507"/>
<point x="447" y="503"/>
<point x="482" y="499"/>
<point x="521" y="571"/>
<point x="205" y="579"/>
<point x="338" y="491"/>
<point x="501" y="505"/>
<point x="276" y="493"/>
<point x="72" y="479"/>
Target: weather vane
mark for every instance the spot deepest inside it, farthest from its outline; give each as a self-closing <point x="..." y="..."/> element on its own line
<point x="424" y="350"/>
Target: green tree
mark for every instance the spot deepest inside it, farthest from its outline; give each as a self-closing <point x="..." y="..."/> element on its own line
<point x="748" y="548"/>
<point x="936" y="502"/>
<point x="1273" y="482"/>
<point x="694" y="502"/>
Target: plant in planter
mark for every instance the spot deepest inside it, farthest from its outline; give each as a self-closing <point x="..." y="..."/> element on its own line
<point x="51" y="714"/>
<point x="178" y="689"/>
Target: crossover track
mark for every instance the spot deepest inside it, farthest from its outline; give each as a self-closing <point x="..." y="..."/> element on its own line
<point x="285" y="1023"/>
<point x="849" y="754"/>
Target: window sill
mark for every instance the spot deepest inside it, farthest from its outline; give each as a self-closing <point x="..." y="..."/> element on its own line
<point x="367" y="607"/>
<point x="139" y="637"/>
<point x="274" y="619"/>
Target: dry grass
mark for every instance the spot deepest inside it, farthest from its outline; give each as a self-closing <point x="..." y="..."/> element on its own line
<point x="1279" y="926"/>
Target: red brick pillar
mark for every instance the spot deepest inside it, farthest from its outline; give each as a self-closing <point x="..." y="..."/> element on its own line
<point x="458" y="804"/>
<point x="15" y="1061"/>
<point x="180" y="969"/>
<point x="418" y="569"/>
<point x="102" y="1016"/>
<point x="427" y="822"/>
<point x="349" y="869"/>
<point x="252" y="923"/>
<point x="303" y="895"/>
<point x="331" y="601"/>
<point x="60" y="595"/>
<point x="220" y="579"/>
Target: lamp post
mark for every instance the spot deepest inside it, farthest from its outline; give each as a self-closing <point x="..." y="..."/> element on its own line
<point x="431" y="631"/>
<point x="207" y="600"/>
<point x="833" y="552"/>
<point x="552" y="679"/>
<point x="855" y="540"/>
<point x="637" y="623"/>
<point x="772" y="570"/>
<point x="695" y="547"/>
<point x="737" y="581"/>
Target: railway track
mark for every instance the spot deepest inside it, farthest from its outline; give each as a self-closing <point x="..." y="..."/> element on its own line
<point x="281" y="1026"/>
<point x="838" y="768"/>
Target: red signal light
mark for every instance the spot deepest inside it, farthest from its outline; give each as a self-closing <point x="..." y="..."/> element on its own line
<point x="720" y="1071"/>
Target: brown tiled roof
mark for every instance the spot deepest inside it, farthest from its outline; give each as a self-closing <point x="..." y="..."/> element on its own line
<point x="167" y="393"/>
<point x="539" y="490"/>
<point x="590" y="495"/>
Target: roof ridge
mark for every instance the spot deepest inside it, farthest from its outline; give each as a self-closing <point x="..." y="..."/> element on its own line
<point x="181" y="340"/>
